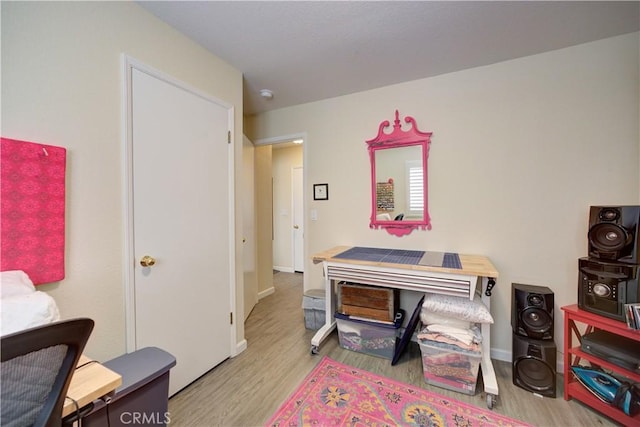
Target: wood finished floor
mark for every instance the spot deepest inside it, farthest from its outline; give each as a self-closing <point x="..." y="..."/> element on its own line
<point x="248" y="389"/>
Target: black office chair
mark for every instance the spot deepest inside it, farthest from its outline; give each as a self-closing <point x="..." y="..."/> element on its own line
<point x="37" y="365"/>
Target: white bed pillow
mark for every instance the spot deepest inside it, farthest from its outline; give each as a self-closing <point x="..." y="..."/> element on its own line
<point x="458" y="307"/>
<point x="15" y="282"/>
<point x="21" y="312"/>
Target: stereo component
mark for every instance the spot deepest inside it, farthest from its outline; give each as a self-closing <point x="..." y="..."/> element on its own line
<point x="604" y="287"/>
<point x="614" y="233"/>
<point x="532" y="311"/>
<point x="616" y="349"/>
<point x="534" y="365"/>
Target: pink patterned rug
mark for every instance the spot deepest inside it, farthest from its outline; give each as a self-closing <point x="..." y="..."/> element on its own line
<point x="334" y="394"/>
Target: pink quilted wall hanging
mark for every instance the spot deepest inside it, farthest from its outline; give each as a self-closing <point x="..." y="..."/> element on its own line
<point x="32" y="206"/>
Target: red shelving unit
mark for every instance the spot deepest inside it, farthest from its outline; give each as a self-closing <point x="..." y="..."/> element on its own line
<point x="573" y="355"/>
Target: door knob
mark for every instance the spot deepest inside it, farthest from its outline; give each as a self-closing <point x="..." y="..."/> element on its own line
<point x="296" y="227"/>
<point x="147" y="261"/>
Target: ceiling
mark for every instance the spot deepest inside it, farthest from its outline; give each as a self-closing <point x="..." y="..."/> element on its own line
<point x="306" y="51"/>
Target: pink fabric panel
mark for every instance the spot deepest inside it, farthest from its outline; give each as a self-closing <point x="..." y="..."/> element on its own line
<point x="32" y="206"/>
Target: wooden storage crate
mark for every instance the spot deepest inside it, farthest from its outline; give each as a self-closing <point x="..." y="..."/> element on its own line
<point x="367" y="302"/>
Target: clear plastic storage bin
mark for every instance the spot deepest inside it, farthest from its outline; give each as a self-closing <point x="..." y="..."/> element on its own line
<point x="374" y="338"/>
<point x="450" y="369"/>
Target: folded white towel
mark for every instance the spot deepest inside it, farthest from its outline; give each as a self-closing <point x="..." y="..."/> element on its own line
<point x="466" y="336"/>
<point x="15" y="282"/>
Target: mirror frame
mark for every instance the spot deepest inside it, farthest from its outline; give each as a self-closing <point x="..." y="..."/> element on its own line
<point x="395" y="139"/>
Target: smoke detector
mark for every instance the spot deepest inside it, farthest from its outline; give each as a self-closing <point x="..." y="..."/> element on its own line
<point x="266" y="94"/>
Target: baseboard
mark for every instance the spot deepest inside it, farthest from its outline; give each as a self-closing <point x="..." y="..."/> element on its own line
<point x="502" y="355"/>
<point x="240" y="347"/>
<point x="266" y="293"/>
<point x="283" y="269"/>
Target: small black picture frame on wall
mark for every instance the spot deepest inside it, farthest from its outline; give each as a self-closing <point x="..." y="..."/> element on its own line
<point x="320" y="191"/>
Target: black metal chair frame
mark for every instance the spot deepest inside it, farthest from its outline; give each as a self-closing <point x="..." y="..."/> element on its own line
<point x="74" y="334"/>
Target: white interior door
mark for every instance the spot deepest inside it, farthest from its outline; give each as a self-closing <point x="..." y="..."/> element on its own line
<point x="181" y="166"/>
<point x="298" y="219"/>
<point x="249" y="248"/>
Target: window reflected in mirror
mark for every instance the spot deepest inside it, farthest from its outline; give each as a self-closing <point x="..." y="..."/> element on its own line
<point x="400" y="183"/>
<point x="399" y="178"/>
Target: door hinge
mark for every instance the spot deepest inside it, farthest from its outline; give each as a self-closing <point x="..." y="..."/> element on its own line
<point x="229" y="137"/>
<point x="231" y="318"/>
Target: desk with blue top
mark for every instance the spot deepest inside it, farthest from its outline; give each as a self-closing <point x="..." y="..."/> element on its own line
<point x="432" y="272"/>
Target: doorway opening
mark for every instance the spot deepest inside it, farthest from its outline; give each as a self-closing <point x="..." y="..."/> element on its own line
<point x="285" y="207"/>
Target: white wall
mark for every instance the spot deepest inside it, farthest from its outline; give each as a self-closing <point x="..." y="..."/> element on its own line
<point x="62" y="85"/>
<point x="284" y="160"/>
<point x="520" y="150"/>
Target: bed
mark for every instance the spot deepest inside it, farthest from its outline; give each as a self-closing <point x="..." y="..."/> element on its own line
<point x="22" y="306"/>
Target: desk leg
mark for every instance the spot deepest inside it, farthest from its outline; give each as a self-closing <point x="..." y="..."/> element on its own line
<point x="488" y="373"/>
<point x="322" y="333"/>
<point x="330" y="308"/>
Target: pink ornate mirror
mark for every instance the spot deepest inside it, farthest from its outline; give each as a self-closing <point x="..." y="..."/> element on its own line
<point x="399" y="178"/>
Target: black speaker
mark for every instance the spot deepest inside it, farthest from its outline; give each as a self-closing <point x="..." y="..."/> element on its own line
<point x="614" y="233"/>
<point x="532" y="311"/>
<point x="534" y="365"/>
<point x="604" y="287"/>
